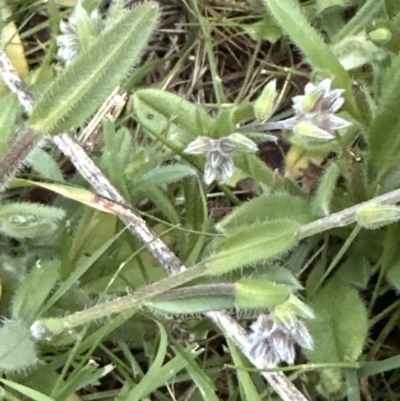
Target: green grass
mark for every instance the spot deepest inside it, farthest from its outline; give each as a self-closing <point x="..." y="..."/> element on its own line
<point x="121" y="283"/>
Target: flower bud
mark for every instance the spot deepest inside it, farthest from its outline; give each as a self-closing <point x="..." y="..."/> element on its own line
<point x="308" y="135"/>
<point x="381" y="35"/>
<point x="244" y="144"/>
<point x="226" y="144"/>
<point x="375" y="215"/>
<point x="310" y="101"/>
<point x="265" y="104"/>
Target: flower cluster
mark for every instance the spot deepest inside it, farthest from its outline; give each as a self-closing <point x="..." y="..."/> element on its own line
<point x="274" y="341"/>
<point x="315" y="117"/>
<point x="219" y="163"/>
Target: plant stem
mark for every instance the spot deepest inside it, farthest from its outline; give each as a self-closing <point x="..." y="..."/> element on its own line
<point x="345" y="217"/>
<point x="106" y="309"/>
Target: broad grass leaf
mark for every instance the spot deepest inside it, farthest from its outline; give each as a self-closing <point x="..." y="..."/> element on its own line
<point x="247" y="387"/>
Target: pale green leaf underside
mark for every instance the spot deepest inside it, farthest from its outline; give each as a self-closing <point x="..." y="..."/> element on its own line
<point x="17" y="349"/>
<point x="341" y="326"/>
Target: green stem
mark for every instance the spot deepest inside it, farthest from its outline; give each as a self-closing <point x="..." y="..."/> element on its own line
<point x="122" y="304"/>
<point x="339" y="256"/>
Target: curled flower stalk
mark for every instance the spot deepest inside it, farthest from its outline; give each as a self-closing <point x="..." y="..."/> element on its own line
<point x="219" y="163"/>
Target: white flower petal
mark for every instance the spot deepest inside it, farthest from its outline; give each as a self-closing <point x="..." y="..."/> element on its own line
<point x="200" y="145"/>
<point x="210" y="174"/>
<point x="325" y="84"/>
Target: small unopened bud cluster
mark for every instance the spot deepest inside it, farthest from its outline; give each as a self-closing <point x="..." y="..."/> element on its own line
<point x="374" y="215"/>
<point x="219" y="163"/>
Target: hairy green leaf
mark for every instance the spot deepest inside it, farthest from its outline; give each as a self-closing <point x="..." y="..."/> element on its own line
<point x="45" y="165"/>
<point x="324" y="4"/>
<point x="8" y="114"/>
<point x="27" y="220"/>
<point x="290" y="17"/>
<point x="162" y="175"/>
<point x="383" y="135"/>
<point x="84" y="85"/>
<point x="17" y="349"/>
<point x="279" y="205"/>
<point x="164" y="113"/>
<point x="322" y="199"/>
<point x="260" y="293"/>
<point x="341" y="325"/>
<point x="393" y="275"/>
<point x="251" y="244"/>
<point x="197" y="304"/>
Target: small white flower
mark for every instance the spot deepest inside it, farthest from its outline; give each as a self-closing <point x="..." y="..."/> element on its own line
<point x="316" y="108"/>
<point x="274" y="342"/>
<point x="219" y="165"/>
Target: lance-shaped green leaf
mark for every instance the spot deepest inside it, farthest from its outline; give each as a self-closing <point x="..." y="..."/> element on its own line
<point x="8" y="114"/>
<point x="27" y="303"/>
<point x="164" y="113"/>
<point x="84" y="85"/>
<point x="385" y="148"/>
<point x="251" y="244"/>
<point x="322" y="199"/>
<point x="27" y="220"/>
<point x="279" y="205"/>
<point x="290" y="17"/>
